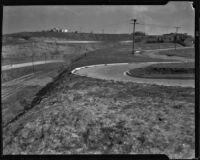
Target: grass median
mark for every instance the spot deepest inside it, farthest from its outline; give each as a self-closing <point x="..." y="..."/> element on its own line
<point x="165" y="71"/>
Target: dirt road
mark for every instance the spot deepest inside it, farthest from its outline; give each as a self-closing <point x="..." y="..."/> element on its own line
<point x="8" y="67"/>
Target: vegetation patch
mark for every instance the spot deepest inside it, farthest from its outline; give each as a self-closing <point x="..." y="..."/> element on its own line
<point x="166" y="71"/>
<point x="146" y="119"/>
<point x="186" y="52"/>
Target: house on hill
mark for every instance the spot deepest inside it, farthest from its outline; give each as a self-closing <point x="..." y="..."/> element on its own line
<point x="58" y="30"/>
<point x="65" y="30"/>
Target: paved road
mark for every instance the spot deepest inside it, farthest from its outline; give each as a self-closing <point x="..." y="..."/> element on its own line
<point x="117" y="72"/>
<point x="64" y="41"/>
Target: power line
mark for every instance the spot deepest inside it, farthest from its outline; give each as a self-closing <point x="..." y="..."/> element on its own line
<point x="118" y="23"/>
<point x="157" y="25"/>
<point x="33" y="59"/>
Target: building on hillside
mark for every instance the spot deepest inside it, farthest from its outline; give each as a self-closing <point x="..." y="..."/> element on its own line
<point x="65" y="30"/>
<point x="58" y="30"/>
<point x="171" y="37"/>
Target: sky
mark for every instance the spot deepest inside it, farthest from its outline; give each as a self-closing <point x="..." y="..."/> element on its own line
<point x="100" y="18"/>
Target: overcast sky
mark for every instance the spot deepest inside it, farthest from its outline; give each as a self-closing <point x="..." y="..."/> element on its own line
<point x="107" y="19"/>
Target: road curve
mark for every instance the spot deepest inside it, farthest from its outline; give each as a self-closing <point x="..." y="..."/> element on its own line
<point x="117" y="72"/>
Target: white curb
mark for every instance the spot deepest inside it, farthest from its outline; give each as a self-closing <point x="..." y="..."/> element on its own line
<point x="111" y="64"/>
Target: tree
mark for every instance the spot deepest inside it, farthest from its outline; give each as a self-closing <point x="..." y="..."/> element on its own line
<point x="139" y="33"/>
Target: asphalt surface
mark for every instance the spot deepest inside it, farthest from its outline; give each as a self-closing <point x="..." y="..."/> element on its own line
<point x="118" y="71"/>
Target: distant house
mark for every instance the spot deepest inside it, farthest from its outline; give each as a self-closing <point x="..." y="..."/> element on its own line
<point x="58" y="30"/>
<point x="171" y="37"/>
<point x="64" y="30"/>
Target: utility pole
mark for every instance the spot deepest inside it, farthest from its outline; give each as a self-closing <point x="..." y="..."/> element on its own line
<point x="56" y="50"/>
<point x="33" y="58"/>
<point x="175" y="37"/>
<point x="102" y="31"/>
<point x="45" y="56"/>
<point x="134" y="22"/>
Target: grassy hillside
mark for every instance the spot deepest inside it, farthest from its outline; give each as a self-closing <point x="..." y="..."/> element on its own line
<point x="187" y="52"/>
<point x="18" y="51"/>
<point x="73" y="36"/>
<point x="76" y="115"/>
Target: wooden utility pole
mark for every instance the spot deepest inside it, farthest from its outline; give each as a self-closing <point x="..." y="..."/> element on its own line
<point x="175" y="37"/>
<point x="33" y="58"/>
<point x="45" y="57"/>
<point x="134" y="22"/>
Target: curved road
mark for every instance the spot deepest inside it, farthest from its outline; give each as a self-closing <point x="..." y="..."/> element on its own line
<point x="117" y="72"/>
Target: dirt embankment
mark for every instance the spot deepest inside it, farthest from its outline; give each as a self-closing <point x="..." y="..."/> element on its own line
<point x="85" y="115"/>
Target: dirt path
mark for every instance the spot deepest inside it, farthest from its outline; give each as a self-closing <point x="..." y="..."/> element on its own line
<point x="8" y="67"/>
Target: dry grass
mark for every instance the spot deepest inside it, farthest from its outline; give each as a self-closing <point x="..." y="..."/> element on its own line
<point x="84" y="115"/>
<point x="167" y="71"/>
<point x="187" y="52"/>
